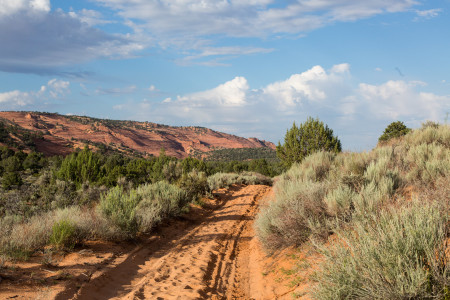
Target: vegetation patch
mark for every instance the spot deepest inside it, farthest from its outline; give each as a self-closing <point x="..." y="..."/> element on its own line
<point x="384" y="246"/>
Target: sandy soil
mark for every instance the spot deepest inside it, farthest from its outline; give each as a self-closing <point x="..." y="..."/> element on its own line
<point x="211" y="253"/>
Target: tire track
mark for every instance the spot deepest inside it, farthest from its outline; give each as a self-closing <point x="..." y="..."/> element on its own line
<point x="186" y="261"/>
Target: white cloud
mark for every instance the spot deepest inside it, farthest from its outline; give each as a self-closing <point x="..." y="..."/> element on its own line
<point x="341" y="68"/>
<point x="55" y="89"/>
<point x="248" y="18"/>
<point x="89" y="16"/>
<point x="183" y="23"/>
<point x="15" y="98"/>
<point x="400" y="99"/>
<point x="220" y="53"/>
<point x="358" y="114"/>
<point x="231" y="93"/>
<point x="35" y="39"/>
<point x="311" y="85"/>
<point x="428" y="14"/>
<point x="8" y="7"/>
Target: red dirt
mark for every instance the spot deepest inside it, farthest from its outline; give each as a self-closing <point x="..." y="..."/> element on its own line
<point x="63" y="134"/>
<point x="210" y="253"/>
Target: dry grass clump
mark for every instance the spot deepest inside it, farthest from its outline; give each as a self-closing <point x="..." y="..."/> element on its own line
<point x="61" y="228"/>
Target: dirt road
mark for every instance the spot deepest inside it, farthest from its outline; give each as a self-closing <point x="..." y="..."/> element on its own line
<point x="208" y="259"/>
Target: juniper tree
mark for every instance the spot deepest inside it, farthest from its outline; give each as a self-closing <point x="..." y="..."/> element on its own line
<point x="311" y="136"/>
<point x="394" y="130"/>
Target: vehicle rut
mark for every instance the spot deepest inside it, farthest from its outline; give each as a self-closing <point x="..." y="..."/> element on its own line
<point x="188" y="260"/>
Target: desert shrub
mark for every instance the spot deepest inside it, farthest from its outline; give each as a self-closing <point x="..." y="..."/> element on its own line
<point x="172" y="171"/>
<point x="89" y="224"/>
<point x="427" y="162"/>
<point x="400" y="254"/>
<point x="89" y="194"/>
<point x="348" y="169"/>
<point x="340" y="200"/>
<point x="353" y="181"/>
<point x="221" y="180"/>
<point x="316" y="166"/>
<point x="369" y="200"/>
<point x="430" y="123"/>
<point x="428" y="135"/>
<point x="195" y="184"/>
<point x="63" y="235"/>
<point x="119" y="206"/>
<point x="21" y="239"/>
<point x="62" y="194"/>
<point x="158" y="201"/>
<point x="294" y="214"/>
<point x="252" y="178"/>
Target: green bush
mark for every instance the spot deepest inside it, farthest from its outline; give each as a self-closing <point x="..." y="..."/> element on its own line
<point x="159" y="201"/>
<point x="119" y="207"/>
<point x="253" y="178"/>
<point x="221" y="180"/>
<point x="400" y="254"/>
<point x="340" y="200"/>
<point x="11" y="179"/>
<point x="195" y="184"/>
<point x="63" y="235"/>
<point x="394" y="130"/>
<point x="310" y="137"/>
<point x="427" y="162"/>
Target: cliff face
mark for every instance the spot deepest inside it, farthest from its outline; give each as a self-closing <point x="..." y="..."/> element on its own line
<point x="63" y="134"/>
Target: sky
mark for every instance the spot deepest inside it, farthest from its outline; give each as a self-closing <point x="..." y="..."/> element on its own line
<point x="245" y="67"/>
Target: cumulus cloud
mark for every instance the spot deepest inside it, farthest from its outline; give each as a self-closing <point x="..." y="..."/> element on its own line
<point x="42" y="40"/>
<point x="401" y="99"/>
<point x="358" y="114"/>
<point x="54" y="89"/>
<point x="231" y="93"/>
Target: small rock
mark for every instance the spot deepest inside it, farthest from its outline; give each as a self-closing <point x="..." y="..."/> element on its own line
<point x="187" y="287"/>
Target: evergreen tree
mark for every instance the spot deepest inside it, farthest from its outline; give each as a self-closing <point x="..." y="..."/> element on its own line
<point x="33" y="162"/>
<point x="394" y="130"/>
<point x="309" y="137"/>
<point x="11" y="179"/>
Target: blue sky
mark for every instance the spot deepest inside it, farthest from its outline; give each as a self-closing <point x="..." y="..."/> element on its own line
<point x="246" y="67"/>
